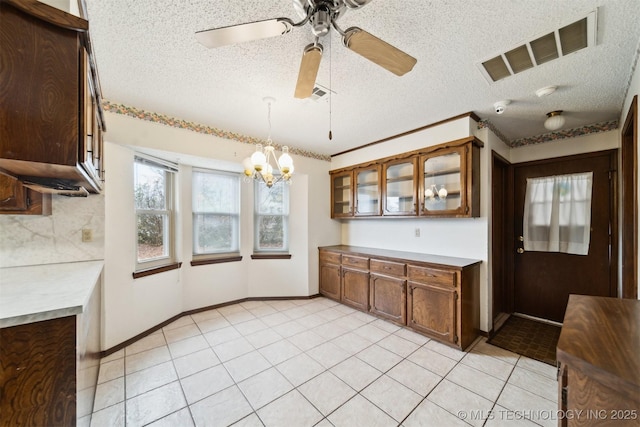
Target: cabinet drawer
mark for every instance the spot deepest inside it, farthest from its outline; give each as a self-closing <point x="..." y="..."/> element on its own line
<point x="388" y="267"/>
<point x="330" y="258"/>
<point x="432" y="276"/>
<point x="355" y="261"/>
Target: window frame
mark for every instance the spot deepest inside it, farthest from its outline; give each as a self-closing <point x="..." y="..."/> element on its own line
<point x="223" y="256"/>
<point x="265" y="253"/>
<point x="168" y="261"/>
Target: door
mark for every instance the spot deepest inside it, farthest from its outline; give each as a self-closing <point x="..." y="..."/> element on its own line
<point x="432" y="310"/>
<point x="355" y="288"/>
<point x="388" y="298"/>
<point x="544" y="280"/>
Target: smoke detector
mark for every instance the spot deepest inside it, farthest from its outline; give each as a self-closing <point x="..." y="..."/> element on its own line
<point x="500" y="106"/>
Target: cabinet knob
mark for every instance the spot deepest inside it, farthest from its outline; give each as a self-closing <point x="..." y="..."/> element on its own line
<point x="520" y="250"/>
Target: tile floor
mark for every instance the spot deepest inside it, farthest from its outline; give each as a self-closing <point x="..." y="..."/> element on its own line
<point x="314" y="363"/>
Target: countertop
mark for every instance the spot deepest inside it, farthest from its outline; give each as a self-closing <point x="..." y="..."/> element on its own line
<point x="409" y="256"/>
<point x="41" y="292"/>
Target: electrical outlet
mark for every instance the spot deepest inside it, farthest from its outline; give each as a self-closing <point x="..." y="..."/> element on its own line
<point x="418" y="232"/>
<point x="87" y="235"/>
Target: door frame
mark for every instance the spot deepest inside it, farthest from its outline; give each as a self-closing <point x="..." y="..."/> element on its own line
<point x="502" y="252"/>
<point x="507" y="249"/>
<point x="629" y="204"/>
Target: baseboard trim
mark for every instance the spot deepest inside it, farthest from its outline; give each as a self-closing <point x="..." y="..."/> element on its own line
<point x="159" y="326"/>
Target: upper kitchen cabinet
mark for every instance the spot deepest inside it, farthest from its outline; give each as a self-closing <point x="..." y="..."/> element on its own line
<point x="367" y="190"/>
<point x="50" y="110"/>
<point x="356" y="192"/>
<point x="399" y="187"/>
<point x="450" y="180"/>
<point x="437" y="181"/>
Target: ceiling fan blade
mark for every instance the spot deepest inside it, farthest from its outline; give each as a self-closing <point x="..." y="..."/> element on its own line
<point x="378" y="51"/>
<point x="241" y="33"/>
<point x="308" y="70"/>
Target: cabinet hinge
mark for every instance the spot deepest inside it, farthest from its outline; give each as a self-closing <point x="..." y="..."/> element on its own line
<point x="564" y="396"/>
<point x="28" y="201"/>
<point x="455" y="339"/>
<point x="455" y="296"/>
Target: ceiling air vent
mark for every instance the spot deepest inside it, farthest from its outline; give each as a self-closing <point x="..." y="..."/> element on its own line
<point x="553" y="45"/>
<point x="320" y="92"/>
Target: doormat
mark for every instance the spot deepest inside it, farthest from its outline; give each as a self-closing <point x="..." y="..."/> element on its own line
<point x="529" y="338"/>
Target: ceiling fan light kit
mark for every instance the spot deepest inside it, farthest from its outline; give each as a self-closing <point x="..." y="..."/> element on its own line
<point x="322" y="16"/>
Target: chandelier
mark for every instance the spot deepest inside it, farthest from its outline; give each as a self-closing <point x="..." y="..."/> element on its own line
<point x="258" y="166"/>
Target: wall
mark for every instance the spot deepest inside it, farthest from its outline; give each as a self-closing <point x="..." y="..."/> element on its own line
<point x="30" y="240"/>
<point x="133" y="306"/>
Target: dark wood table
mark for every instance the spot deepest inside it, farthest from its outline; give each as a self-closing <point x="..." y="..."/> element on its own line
<point x="599" y="362"/>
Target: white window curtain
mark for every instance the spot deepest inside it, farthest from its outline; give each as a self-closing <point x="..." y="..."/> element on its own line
<point x="557" y="213"/>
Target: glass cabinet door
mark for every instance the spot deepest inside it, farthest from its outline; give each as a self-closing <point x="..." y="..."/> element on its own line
<point x="341" y="195"/>
<point x="400" y="188"/>
<point x="367" y="191"/>
<point x="442" y="189"/>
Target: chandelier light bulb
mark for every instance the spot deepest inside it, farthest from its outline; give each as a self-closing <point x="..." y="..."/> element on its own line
<point x="442" y="193"/>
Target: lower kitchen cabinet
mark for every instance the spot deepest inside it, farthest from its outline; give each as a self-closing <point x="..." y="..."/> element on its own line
<point x="434" y="295"/>
<point x="355" y="288"/>
<point x="388" y="298"/>
<point x="432" y="311"/>
<point x="49" y="368"/>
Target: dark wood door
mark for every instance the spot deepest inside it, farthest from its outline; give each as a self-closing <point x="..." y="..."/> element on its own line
<point x="389" y="298"/>
<point x="330" y="281"/>
<point x="432" y="310"/>
<point x="355" y="288"/>
<point x="544" y="280"/>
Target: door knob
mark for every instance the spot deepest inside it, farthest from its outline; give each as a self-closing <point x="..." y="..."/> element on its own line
<point x="520" y="250"/>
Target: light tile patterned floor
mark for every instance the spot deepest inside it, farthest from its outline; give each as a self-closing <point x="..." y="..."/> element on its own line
<point x="298" y="363"/>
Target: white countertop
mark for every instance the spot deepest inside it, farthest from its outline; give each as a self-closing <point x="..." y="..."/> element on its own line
<point x="41" y="292"/>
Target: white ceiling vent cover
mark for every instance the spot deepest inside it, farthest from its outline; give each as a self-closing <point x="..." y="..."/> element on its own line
<point x="552" y="45"/>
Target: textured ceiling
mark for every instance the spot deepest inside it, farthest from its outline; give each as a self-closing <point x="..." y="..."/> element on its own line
<point x="148" y="58"/>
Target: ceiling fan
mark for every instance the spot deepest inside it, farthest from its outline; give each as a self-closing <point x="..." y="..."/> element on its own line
<point x="322" y="16"/>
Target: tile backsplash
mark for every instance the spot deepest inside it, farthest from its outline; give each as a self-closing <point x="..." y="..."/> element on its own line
<point x="32" y="240"/>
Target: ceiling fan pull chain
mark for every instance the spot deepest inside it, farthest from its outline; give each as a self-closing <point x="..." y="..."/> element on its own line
<point x="330" y="87"/>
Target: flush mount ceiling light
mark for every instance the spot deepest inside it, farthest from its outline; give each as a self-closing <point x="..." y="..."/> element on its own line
<point x="555" y="120"/>
<point x="545" y="91"/>
<point x="258" y="166"/>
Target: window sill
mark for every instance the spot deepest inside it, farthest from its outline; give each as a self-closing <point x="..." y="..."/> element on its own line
<point x="218" y="260"/>
<point x="156" y="270"/>
<point x="271" y="256"/>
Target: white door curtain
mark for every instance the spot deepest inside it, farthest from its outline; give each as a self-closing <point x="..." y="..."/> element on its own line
<point x="557" y="213"/>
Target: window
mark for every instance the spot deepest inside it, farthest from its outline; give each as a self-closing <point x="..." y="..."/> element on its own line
<point x="557" y="213"/>
<point x="154" y="203"/>
<point x="271" y="218"/>
<point x="216" y="213"/>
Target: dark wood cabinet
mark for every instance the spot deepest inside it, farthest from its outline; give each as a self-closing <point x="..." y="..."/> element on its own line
<point x="438" y="181"/>
<point x="388" y="298"/>
<point x="432" y="311"/>
<point x="330" y="275"/>
<point x="436" y="296"/>
<point x="355" y="288"/>
<point x="51" y="137"/>
<point x="598" y="364"/>
<point x="450" y="181"/>
<point x="49" y="369"/>
<point x="16" y="199"/>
